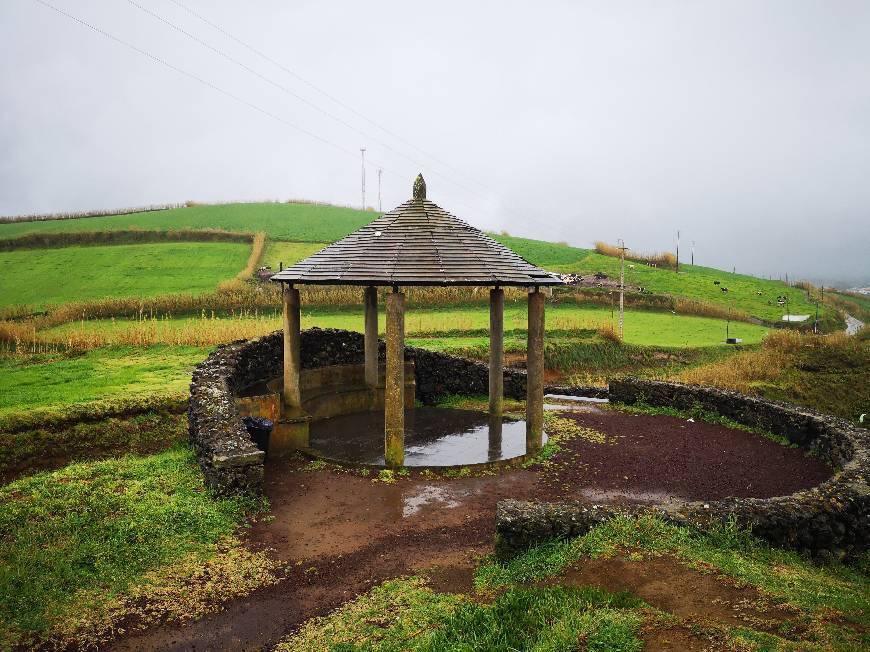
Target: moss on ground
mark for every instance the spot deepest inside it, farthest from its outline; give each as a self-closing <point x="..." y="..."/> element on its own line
<point x="78" y="545"/>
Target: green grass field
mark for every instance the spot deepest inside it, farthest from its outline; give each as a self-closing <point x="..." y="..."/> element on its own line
<point x="544" y="254"/>
<point x="750" y="294"/>
<point x="643" y="328"/>
<point x="310" y="223"/>
<point x="301" y="222"/>
<point x="54" y="276"/>
<point x="110" y="373"/>
<point x="279" y="251"/>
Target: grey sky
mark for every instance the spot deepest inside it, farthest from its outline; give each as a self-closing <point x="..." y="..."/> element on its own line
<point x="744" y="124"/>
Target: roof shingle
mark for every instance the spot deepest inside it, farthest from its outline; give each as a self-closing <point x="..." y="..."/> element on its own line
<point x="417" y="243"/>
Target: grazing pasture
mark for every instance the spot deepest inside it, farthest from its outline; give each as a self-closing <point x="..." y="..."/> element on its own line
<point x="28" y="382"/>
<point x="280" y="221"/>
<point x="644" y="328"/>
<point x="750" y="294"/>
<point x="39" y="277"/>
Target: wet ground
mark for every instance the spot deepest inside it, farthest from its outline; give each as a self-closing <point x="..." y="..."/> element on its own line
<point x="339" y="534"/>
<point x="433" y="437"/>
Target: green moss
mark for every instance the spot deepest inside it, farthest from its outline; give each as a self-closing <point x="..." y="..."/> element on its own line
<point x="42" y="448"/>
<point x="96" y="529"/>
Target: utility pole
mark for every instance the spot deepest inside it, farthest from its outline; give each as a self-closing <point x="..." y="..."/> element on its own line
<point x="380" y="172"/>
<point x="362" y="151"/>
<point x="728" y="325"/>
<point x="678" y="251"/>
<point x="693" y="252"/>
<point x="621" y="286"/>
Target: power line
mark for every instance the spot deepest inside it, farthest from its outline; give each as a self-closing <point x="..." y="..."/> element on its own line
<point x="288" y="91"/>
<point x="194" y="77"/>
<point x="212" y="86"/>
<point x="354" y="111"/>
<point x="313" y="86"/>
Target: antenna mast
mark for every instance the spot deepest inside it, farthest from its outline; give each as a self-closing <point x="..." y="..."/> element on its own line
<point x="362" y="151"/>
<point x="380" y="172"/>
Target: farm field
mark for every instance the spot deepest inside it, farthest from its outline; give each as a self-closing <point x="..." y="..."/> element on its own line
<point x="287" y="221"/>
<point x="55" y="276"/>
<point x="109" y="373"/>
<point x="643" y="328"/>
<point x="295" y="231"/>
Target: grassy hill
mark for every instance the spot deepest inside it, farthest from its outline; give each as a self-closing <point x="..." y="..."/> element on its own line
<point x="314" y="225"/>
<point x="300" y="222"/>
<point x="749" y="294"/>
<point x="54" y="276"/>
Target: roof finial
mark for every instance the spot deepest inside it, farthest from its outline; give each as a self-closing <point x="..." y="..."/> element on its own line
<point x="419" y="187"/>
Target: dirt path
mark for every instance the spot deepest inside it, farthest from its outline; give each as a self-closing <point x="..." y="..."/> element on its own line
<point x="340" y="534"/>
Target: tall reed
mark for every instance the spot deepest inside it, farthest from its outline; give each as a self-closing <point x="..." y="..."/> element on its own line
<point x="661" y="259"/>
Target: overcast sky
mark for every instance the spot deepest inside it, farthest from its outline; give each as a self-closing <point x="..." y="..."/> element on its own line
<point x="746" y="125"/>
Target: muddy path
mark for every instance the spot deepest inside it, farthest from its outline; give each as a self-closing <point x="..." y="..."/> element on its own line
<point x="338" y="534"/>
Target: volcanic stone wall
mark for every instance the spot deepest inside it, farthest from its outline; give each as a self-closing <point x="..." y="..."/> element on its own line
<point x="830" y="520"/>
<point x="231" y="462"/>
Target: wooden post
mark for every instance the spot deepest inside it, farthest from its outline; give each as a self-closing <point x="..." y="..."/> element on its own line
<point x="496" y="351"/>
<point x="535" y="373"/>
<point x="292" y="348"/>
<point x="371" y="335"/>
<point x="394" y="394"/>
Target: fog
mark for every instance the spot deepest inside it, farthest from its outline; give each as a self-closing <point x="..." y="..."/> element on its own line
<point x="745" y="125"/>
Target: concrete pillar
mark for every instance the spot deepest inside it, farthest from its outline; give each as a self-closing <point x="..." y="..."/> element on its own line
<point x="496" y="351"/>
<point x="535" y="373"/>
<point x="394" y="392"/>
<point x="371" y="335"/>
<point x="292" y="349"/>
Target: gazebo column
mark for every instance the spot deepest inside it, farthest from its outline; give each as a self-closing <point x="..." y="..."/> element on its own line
<point x="496" y="351"/>
<point x="371" y="335"/>
<point x="394" y="393"/>
<point x="535" y="373"/>
<point x="292" y="348"/>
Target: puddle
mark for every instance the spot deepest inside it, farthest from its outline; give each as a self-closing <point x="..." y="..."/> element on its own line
<point x="427" y="495"/>
<point x="433" y="437"/>
<point x="621" y="495"/>
<point x="575" y="399"/>
<point x="578" y="407"/>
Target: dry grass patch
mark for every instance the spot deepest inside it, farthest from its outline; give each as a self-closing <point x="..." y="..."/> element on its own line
<point x="659" y="259"/>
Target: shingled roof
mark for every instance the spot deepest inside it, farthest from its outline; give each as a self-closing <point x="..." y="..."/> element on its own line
<point x="416" y="243"/>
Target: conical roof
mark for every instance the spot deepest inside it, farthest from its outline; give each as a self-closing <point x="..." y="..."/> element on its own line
<point x="416" y="243"/>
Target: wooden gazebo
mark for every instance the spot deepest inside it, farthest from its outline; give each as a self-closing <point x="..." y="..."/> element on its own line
<point x="419" y="243"/>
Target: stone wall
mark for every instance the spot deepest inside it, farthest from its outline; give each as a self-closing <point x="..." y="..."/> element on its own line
<point x="230" y="461"/>
<point x="831" y="520"/>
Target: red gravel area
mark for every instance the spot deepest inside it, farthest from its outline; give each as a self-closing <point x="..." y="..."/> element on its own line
<point x="339" y="534"/>
<point x="660" y="458"/>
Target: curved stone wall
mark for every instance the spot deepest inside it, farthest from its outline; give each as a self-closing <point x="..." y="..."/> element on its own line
<point x="831" y="520"/>
<point x="228" y="458"/>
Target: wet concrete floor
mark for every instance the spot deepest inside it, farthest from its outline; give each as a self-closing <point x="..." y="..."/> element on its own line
<point x="433" y="437"/>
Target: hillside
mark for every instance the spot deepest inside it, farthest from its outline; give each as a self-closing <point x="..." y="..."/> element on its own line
<point x="318" y="224"/>
<point x="287" y="221"/>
